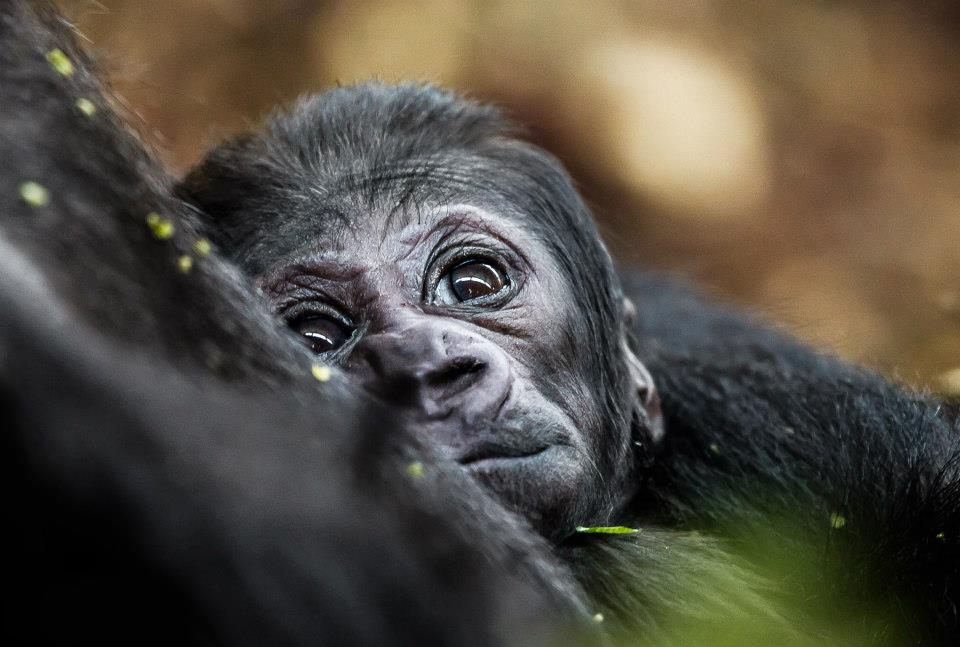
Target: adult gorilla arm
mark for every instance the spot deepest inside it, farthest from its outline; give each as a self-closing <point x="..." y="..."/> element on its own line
<point x="172" y="471"/>
<point x="143" y="501"/>
<point x="845" y="483"/>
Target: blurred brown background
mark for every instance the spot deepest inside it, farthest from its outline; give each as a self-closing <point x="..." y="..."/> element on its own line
<point x="799" y="157"/>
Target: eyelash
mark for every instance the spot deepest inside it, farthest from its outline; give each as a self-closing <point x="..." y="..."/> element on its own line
<point x="322" y="306"/>
<point x="301" y="312"/>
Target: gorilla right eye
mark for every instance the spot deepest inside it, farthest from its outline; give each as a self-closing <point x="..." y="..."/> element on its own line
<point x="475" y="279"/>
<point x="321" y="333"/>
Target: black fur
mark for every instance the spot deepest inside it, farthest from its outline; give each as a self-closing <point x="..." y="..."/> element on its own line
<point x="810" y="457"/>
<point x="173" y="473"/>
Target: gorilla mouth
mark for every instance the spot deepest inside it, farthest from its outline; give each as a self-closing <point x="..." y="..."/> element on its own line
<point x="489" y="451"/>
<point x="518" y="437"/>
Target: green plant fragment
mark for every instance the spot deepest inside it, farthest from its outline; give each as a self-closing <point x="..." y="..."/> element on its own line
<point x="34" y="194"/>
<point x="60" y="62"/>
<point x="202" y="247"/>
<point x="321" y="373"/>
<point x="86" y="106"/>
<point x="161" y="227"/>
<point x="607" y="530"/>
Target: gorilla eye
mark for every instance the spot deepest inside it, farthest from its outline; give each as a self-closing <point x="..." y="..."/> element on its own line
<point x="475" y="279"/>
<point x="322" y="334"/>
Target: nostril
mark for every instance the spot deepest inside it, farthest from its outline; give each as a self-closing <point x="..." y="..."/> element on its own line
<point x="462" y="370"/>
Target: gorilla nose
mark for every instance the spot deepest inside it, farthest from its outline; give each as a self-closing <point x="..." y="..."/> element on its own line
<point x="439" y="371"/>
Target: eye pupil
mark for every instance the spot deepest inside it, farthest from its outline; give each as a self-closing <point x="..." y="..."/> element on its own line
<point x="475" y="279"/>
<point x="322" y="334"/>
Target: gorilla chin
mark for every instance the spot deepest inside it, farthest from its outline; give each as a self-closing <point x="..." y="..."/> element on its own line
<point x="542" y="487"/>
<point x="531" y="460"/>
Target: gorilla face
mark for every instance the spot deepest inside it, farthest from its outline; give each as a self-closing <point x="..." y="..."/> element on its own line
<point x="459" y="277"/>
<point x="459" y="316"/>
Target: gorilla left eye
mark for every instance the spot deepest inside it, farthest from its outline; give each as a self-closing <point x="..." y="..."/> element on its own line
<point x="322" y="334"/>
<point x="475" y="279"/>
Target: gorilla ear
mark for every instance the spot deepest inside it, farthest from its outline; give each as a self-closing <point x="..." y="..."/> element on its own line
<point x="646" y="401"/>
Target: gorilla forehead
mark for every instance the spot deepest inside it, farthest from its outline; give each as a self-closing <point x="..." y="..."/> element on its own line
<point x="376" y="204"/>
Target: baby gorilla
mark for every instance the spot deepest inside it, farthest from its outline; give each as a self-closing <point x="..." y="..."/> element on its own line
<point x="406" y="236"/>
<point x="453" y="269"/>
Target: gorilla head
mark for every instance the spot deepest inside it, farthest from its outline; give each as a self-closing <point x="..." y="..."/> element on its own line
<point x="408" y="238"/>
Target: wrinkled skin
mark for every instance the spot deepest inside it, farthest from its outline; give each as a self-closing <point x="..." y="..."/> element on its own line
<point x="520" y="369"/>
<point x="469" y="372"/>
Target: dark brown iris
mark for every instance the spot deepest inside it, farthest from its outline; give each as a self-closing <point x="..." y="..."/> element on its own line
<point x="322" y="334"/>
<point x="475" y="279"/>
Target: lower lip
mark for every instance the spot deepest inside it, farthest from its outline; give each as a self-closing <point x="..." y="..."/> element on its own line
<point x="502" y="462"/>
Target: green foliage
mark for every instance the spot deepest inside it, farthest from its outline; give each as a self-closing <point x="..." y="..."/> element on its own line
<point x="770" y="584"/>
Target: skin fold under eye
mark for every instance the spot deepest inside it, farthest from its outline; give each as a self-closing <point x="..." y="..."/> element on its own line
<point x="475" y="279"/>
